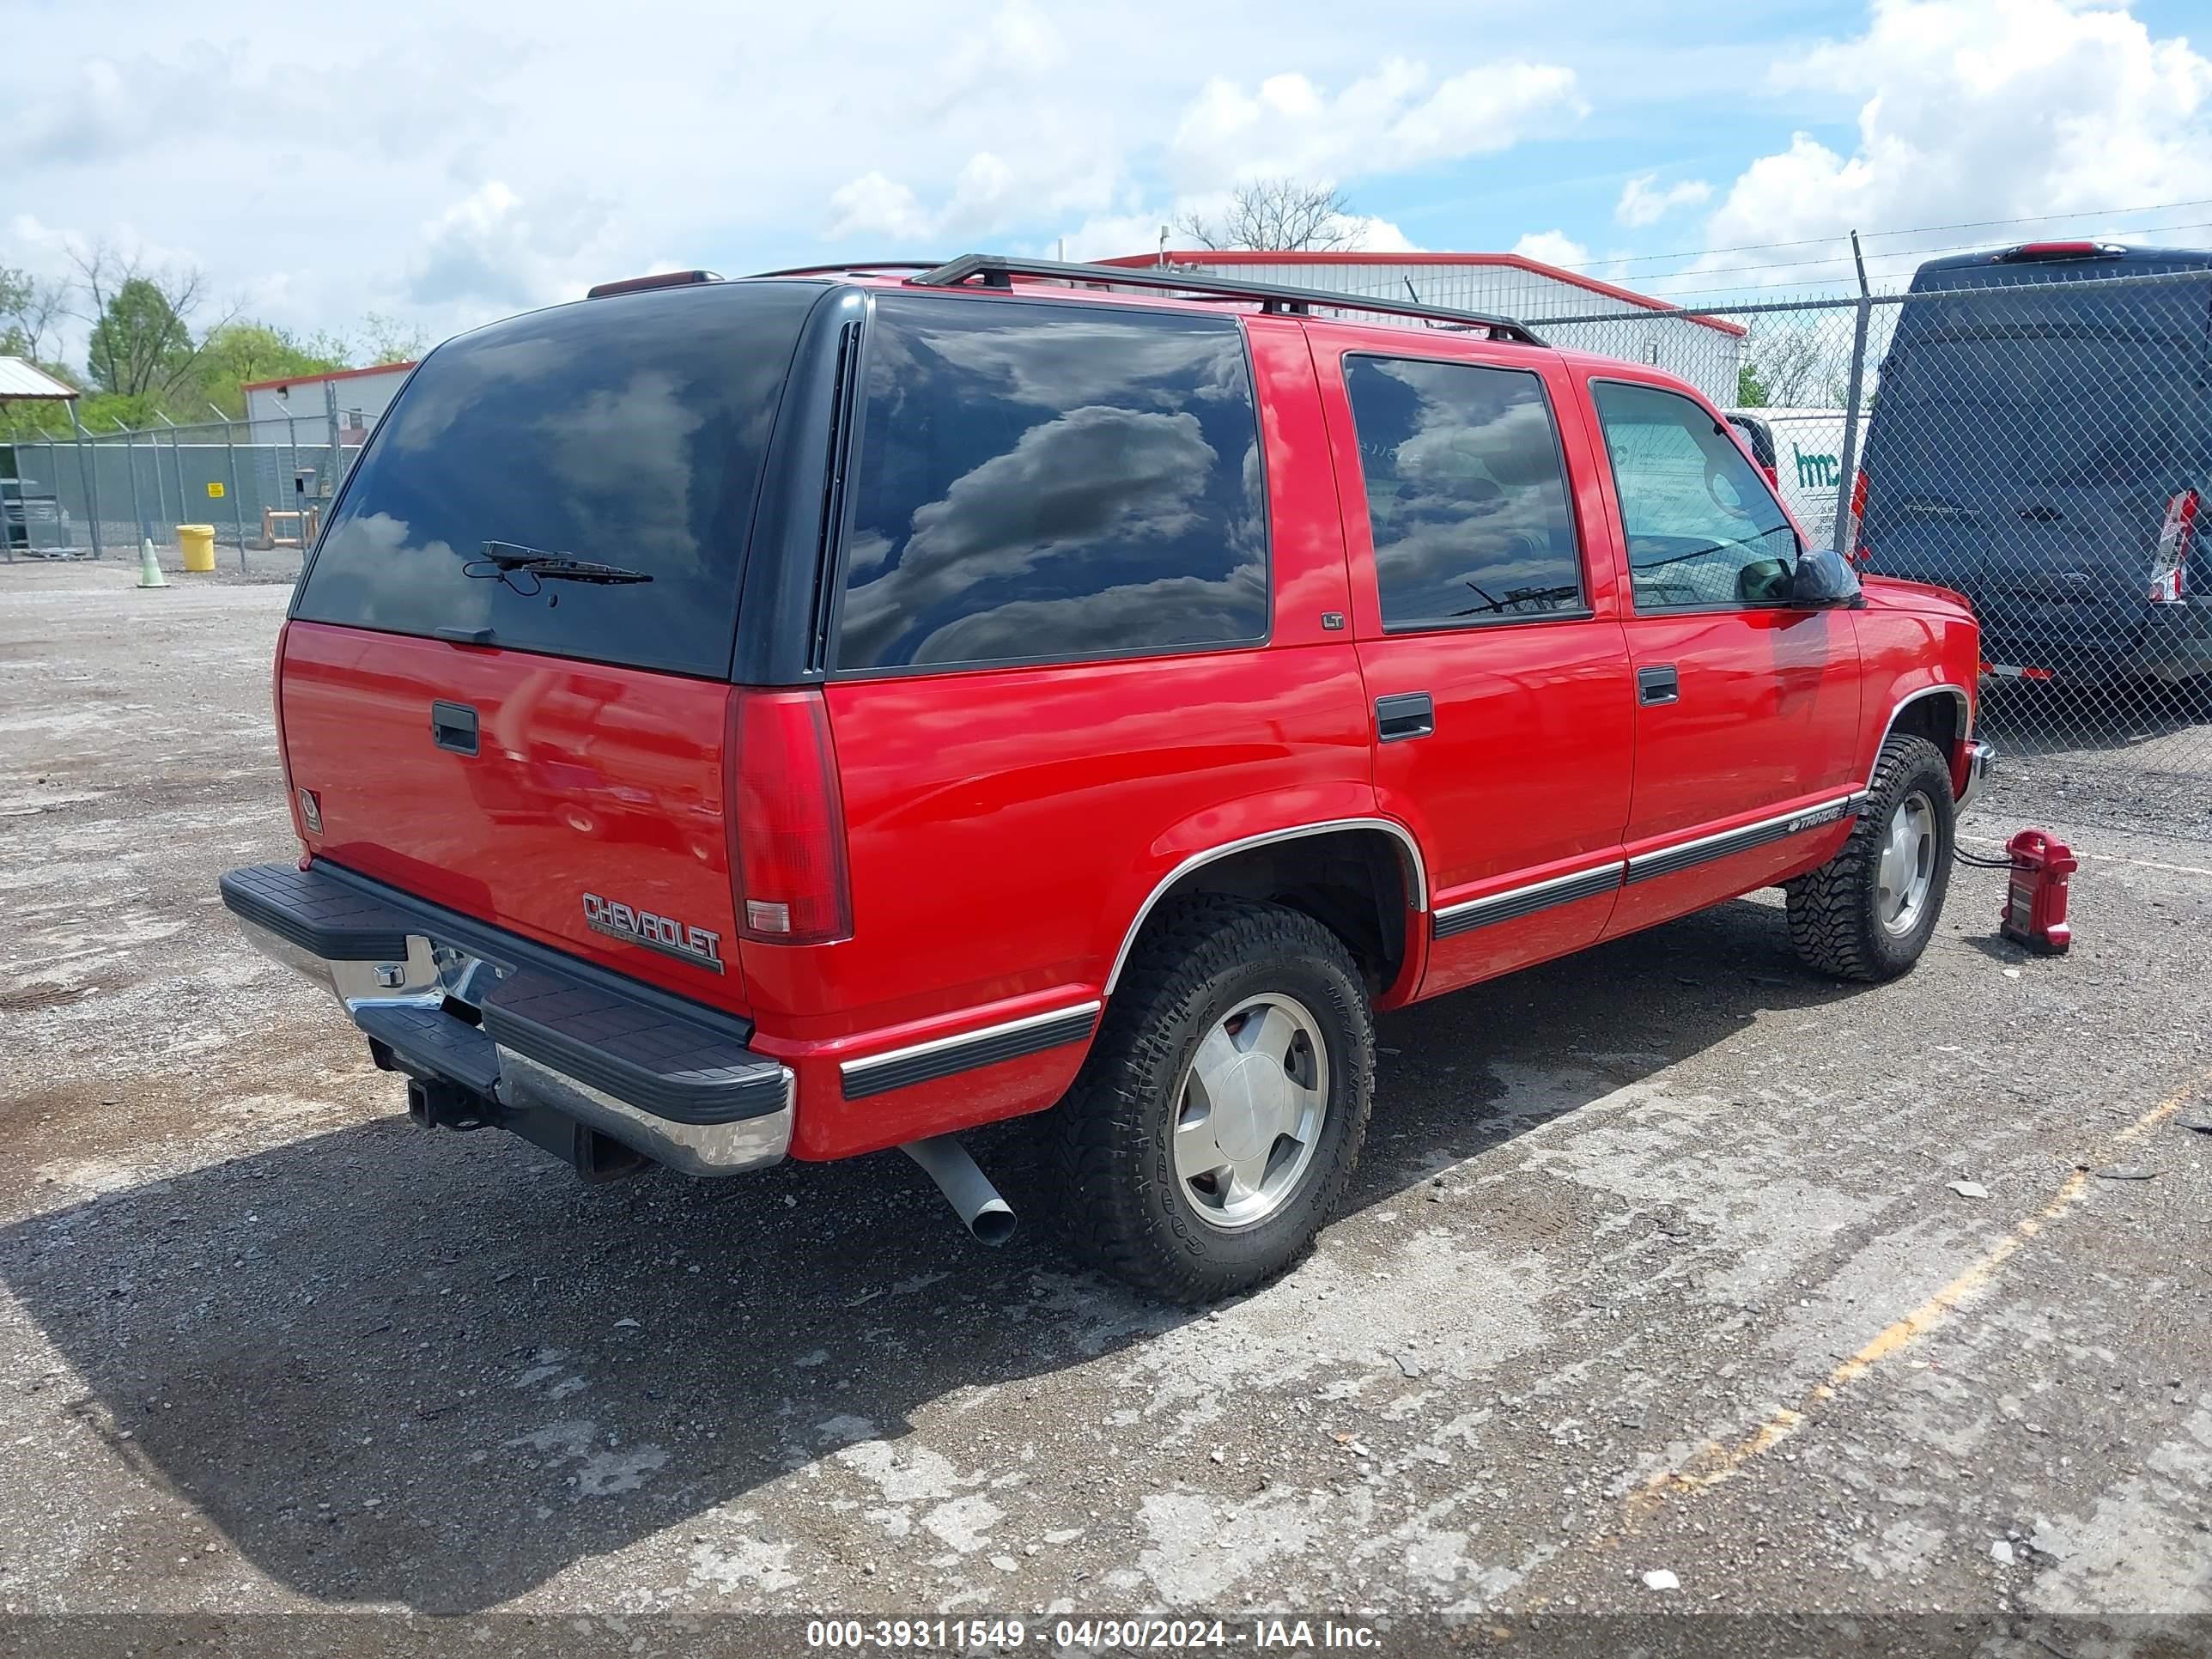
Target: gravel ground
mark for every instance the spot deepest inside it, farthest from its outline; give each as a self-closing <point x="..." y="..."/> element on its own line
<point x="1669" y="1259"/>
<point x="233" y="564"/>
<point x="2132" y="757"/>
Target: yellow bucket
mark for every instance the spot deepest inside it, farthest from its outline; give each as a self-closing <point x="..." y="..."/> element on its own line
<point x="198" y="541"/>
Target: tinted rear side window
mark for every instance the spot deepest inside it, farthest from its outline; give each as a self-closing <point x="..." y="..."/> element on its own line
<point x="1042" y="482"/>
<point x="1466" y="495"/>
<point x="627" y="432"/>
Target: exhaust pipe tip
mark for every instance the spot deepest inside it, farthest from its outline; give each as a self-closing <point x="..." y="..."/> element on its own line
<point x="993" y="1224"/>
<point x="986" y="1215"/>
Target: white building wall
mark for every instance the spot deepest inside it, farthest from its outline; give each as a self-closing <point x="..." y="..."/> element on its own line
<point x="1705" y="356"/>
<point x="363" y="396"/>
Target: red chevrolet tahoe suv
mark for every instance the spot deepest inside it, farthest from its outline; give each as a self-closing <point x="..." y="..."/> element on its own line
<point x="819" y="713"/>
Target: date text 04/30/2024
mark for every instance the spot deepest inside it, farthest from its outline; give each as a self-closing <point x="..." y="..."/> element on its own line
<point x="1160" y="1635"/>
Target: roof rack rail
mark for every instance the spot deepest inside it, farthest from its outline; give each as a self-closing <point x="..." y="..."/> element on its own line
<point x="834" y="266"/>
<point x="998" y="272"/>
<point x="640" y="284"/>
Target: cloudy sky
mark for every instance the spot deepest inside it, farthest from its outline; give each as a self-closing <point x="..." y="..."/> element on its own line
<point x="451" y="160"/>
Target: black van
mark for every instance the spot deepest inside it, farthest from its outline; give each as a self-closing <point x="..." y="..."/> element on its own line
<point x="2041" y="443"/>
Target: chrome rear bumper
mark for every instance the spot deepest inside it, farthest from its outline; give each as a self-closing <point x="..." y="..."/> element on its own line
<point x="673" y="1082"/>
<point x="1980" y="757"/>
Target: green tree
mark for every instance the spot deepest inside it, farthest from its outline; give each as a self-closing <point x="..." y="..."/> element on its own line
<point x="1750" y="390"/>
<point x="142" y="342"/>
<point x="387" y="340"/>
<point x="242" y="351"/>
<point x="139" y="344"/>
<point x="30" y="310"/>
<point x="1797" y="365"/>
<point x="104" y="411"/>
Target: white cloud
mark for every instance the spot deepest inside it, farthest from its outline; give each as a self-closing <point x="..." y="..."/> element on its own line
<point x="491" y="249"/>
<point x="1975" y="110"/>
<point x="1014" y="66"/>
<point x="454" y="163"/>
<point x="874" y="205"/>
<point x="1287" y="126"/>
<point x="1552" y="247"/>
<point x="1643" y="203"/>
<point x="989" y="194"/>
<point x="1372" y="235"/>
<point x="1105" y="236"/>
<point x="105" y="109"/>
<point x="1018" y="42"/>
<point x="1384" y="122"/>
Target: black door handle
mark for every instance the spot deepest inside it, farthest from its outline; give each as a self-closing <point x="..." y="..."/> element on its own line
<point x="454" y="725"/>
<point x="1409" y="714"/>
<point x="1658" y="684"/>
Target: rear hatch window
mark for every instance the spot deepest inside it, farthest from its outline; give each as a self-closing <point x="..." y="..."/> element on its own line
<point x="2078" y="408"/>
<point x="626" y="433"/>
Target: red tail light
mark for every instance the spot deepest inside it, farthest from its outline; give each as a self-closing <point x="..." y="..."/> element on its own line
<point x="1861" y="553"/>
<point x="283" y="749"/>
<point x="1773" y="474"/>
<point x="787" y="820"/>
<point x="2169" y="566"/>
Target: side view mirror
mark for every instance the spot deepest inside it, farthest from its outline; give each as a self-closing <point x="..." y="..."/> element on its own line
<point x="1820" y="580"/>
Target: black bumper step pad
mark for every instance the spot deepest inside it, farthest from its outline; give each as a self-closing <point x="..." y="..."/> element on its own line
<point x="656" y="1061"/>
<point x="323" y="917"/>
<point x="430" y="1039"/>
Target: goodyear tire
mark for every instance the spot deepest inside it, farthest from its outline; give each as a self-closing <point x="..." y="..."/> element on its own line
<point x="1222" y="1107"/>
<point x="1868" y="912"/>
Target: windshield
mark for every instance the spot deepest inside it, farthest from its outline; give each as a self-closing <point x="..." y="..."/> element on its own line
<point x="624" y="433"/>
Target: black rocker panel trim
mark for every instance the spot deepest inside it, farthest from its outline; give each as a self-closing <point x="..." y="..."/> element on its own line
<point x="1516" y="902"/>
<point x="1672" y="860"/>
<point x="866" y="1078"/>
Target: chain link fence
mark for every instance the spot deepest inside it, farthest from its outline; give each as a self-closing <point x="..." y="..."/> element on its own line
<point x="2041" y="443"/>
<point x="96" y="495"/>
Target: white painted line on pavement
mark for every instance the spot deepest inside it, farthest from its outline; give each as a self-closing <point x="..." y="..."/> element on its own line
<point x="2108" y="858"/>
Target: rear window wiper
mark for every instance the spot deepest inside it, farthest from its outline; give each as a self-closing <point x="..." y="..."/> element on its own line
<point x="501" y="560"/>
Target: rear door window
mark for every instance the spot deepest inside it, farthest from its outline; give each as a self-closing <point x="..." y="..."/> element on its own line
<point x="626" y="432"/>
<point x="1467" y="495"/>
<point x="1039" y="482"/>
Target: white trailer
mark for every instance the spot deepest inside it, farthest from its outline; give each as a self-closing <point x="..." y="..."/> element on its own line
<point x="301" y="408"/>
<point x="1808" y="461"/>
